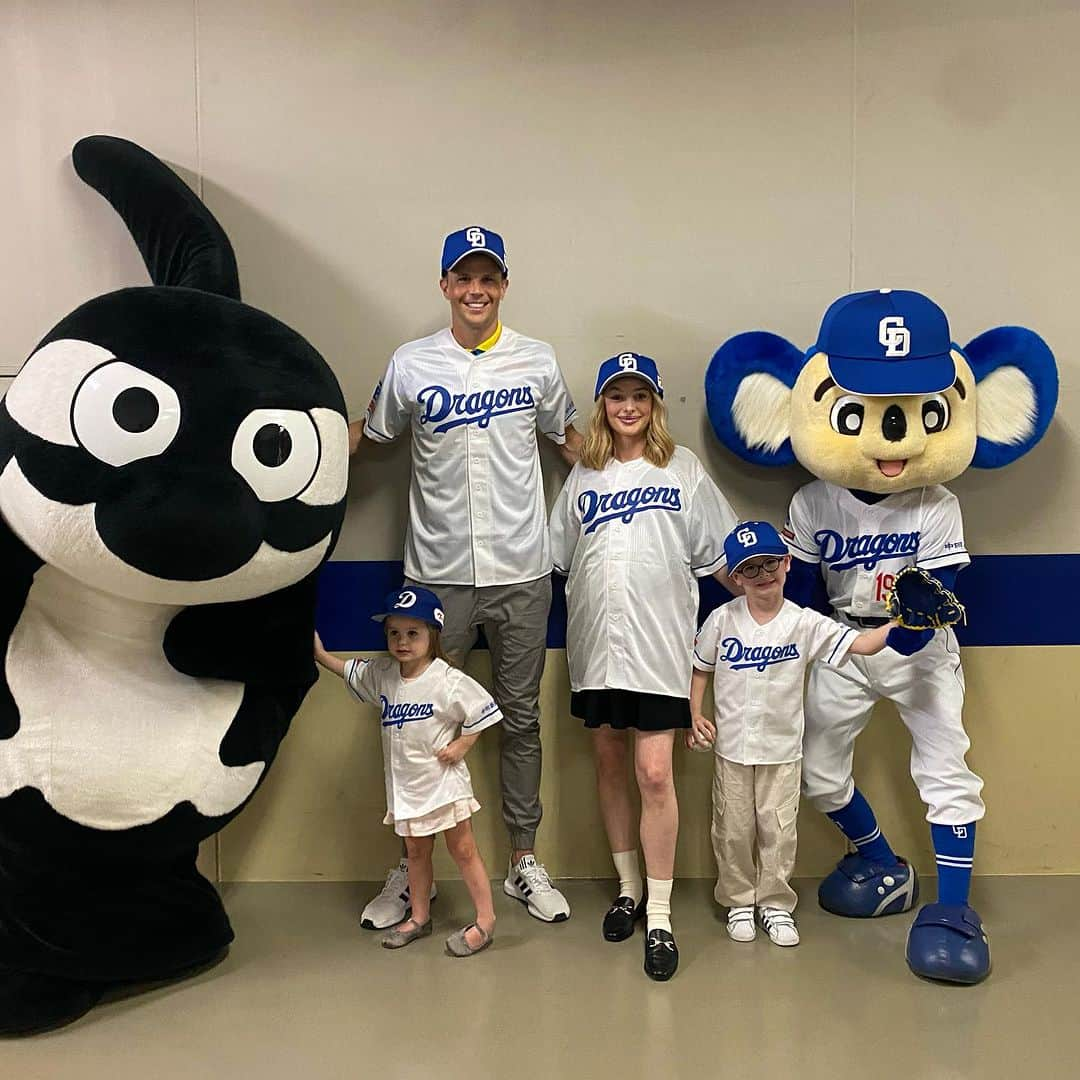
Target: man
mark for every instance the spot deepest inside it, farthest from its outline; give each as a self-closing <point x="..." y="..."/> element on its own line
<point x="474" y="396"/>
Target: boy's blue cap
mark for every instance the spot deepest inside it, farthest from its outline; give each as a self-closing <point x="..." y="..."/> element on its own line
<point x="887" y="342"/>
<point x="629" y="363"/>
<point x="415" y="603"/>
<point x="469" y="240"/>
<point x="750" y="539"/>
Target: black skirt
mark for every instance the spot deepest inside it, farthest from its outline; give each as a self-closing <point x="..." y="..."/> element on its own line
<point x="624" y="709"/>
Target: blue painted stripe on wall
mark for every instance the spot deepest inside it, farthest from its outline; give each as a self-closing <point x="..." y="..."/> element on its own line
<point x="1000" y="612"/>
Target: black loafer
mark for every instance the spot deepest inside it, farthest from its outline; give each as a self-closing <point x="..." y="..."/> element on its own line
<point x="661" y="955"/>
<point x="620" y="918"/>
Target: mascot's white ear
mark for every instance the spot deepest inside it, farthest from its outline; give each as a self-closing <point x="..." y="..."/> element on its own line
<point x="1007" y="410"/>
<point x="748" y="396"/>
<point x="761" y="412"/>
<point x="1016" y="380"/>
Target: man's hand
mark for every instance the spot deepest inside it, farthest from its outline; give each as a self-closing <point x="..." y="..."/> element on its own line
<point x="571" y="449"/>
<point x="702" y="733"/>
<point x="356" y="435"/>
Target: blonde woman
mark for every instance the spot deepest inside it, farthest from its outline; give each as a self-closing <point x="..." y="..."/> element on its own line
<point x="637" y="522"/>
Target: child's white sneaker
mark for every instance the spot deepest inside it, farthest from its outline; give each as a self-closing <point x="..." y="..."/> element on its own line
<point x="740" y="924"/>
<point x="780" y="926"/>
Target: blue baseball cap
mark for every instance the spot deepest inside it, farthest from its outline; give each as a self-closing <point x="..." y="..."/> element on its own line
<point x="414" y="602"/>
<point x="629" y="363"/>
<point x="750" y="539"/>
<point x="886" y="342"/>
<point x="471" y="239"/>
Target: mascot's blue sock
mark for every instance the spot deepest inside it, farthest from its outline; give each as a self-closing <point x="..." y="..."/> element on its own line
<point x="954" y="850"/>
<point x="857" y="822"/>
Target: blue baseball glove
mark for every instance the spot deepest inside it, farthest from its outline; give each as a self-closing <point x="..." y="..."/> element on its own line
<point x="919" y="601"/>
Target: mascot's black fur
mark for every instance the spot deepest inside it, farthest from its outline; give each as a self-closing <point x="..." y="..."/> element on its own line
<point x="172" y="474"/>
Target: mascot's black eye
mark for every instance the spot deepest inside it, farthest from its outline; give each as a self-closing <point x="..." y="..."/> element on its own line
<point x="846" y="415"/>
<point x="272" y="445"/>
<point x="935" y="414"/>
<point x="135" y="409"/>
<point x="277" y="452"/>
<point x="122" y="414"/>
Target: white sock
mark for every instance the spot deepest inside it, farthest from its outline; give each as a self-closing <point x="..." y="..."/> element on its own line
<point x="658" y="908"/>
<point x="626" y="866"/>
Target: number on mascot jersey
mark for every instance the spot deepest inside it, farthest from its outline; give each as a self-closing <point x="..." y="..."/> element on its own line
<point x="884" y="583"/>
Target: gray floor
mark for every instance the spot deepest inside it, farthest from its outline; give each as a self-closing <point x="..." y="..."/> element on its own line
<point x="306" y="993"/>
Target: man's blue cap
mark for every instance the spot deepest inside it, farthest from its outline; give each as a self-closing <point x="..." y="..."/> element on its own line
<point x="469" y="240"/>
<point x="629" y="363"/>
<point x="415" y="603"/>
<point x="887" y="342"/>
<point x="749" y="540"/>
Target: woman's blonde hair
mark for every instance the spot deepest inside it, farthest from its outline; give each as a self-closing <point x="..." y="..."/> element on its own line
<point x="599" y="445"/>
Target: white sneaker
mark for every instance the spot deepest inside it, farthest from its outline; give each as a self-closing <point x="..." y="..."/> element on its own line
<point x="528" y="881"/>
<point x="780" y="926"/>
<point x="740" y="924"/>
<point x="393" y="904"/>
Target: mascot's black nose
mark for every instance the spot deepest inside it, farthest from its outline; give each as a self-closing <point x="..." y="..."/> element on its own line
<point x="179" y="523"/>
<point x="894" y="423"/>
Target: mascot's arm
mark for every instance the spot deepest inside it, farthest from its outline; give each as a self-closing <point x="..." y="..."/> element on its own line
<point x="261" y="642"/>
<point x="806" y="587"/>
<point x="908" y="642"/>
<point x="19" y="564"/>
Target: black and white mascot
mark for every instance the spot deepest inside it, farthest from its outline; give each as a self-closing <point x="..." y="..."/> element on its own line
<point x="173" y="466"/>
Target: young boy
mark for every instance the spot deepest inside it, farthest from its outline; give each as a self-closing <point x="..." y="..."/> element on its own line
<point x="758" y="647"/>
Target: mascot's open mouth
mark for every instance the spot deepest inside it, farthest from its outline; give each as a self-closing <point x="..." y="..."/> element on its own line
<point x="891" y="468"/>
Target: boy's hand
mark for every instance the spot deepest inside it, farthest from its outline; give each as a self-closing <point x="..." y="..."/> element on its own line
<point x="318" y="644"/>
<point x="702" y="733"/>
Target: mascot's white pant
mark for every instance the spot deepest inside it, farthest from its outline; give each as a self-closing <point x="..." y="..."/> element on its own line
<point x="928" y="690"/>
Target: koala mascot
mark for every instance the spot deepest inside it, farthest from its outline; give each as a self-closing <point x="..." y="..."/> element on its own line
<point x="883" y="410"/>
<point x="173" y="466"/>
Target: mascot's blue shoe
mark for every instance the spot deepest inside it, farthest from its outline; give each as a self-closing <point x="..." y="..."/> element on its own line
<point x="861" y="889"/>
<point x="947" y="942"/>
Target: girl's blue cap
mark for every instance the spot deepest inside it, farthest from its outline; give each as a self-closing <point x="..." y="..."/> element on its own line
<point x="415" y="603"/>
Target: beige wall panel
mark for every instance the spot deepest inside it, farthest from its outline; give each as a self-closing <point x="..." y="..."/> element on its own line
<point x="661" y="182"/>
<point x="319" y="814"/>
<point x="71" y="69"/>
<point x="965" y="188"/>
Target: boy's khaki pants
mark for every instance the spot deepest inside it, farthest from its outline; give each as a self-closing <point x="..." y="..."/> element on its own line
<point x="754" y="812"/>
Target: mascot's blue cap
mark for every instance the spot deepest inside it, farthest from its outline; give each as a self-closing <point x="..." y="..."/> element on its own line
<point x="887" y="342"/>
<point x="415" y="603"/>
<point x="629" y="363"/>
<point x="469" y="240"/>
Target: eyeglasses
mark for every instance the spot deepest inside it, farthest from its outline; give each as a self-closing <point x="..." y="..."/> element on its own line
<point x="753" y="569"/>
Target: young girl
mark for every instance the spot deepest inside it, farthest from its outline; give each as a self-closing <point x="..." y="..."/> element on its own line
<point x="758" y="647"/>
<point x="431" y="716"/>
<point x="637" y="522"/>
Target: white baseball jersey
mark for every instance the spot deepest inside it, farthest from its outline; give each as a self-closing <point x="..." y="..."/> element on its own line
<point x="758" y="675"/>
<point x="862" y="547"/>
<point x="419" y="717"/>
<point x="476" y="498"/>
<point x="633" y="539"/>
